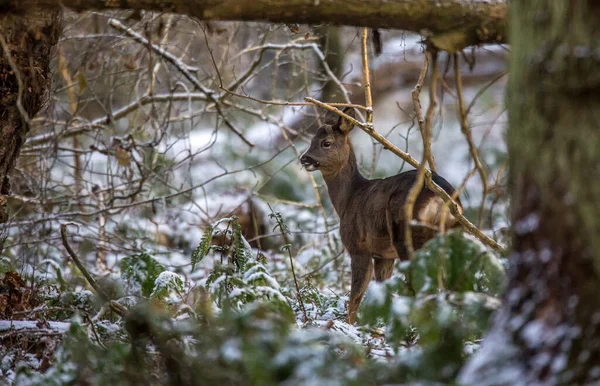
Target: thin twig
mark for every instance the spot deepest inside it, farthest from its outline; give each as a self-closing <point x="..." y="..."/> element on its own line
<point x="286" y="103"/>
<point x="415" y="190"/>
<point x="73" y="106"/>
<point x="368" y="96"/>
<point x="305" y="46"/>
<point x="240" y="81"/>
<point x="117" y="307"/>
<point x="416" y="92"/>
<point x="93" y="326"/>
<point x="464" y="126"/>
<point x="459" y="189"/>
<point x="430" y="111"/>
<point x="483" y="89"/>
<point x="113" y="116"/>
<point x="17" y="73"/>
<point x="367" y="76"/>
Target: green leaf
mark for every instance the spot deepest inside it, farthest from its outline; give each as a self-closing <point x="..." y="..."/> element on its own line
<point x="243" y="250"/>
<point x="203" y="248"/>
<point x="81" y="81"/>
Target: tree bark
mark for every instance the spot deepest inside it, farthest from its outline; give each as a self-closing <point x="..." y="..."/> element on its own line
<point x="450" y="25"/>
<point x="26" y="42"/>
<point x="548" y="331"/>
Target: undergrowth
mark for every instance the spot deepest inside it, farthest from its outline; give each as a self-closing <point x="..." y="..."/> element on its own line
<point x="243" y="323"/>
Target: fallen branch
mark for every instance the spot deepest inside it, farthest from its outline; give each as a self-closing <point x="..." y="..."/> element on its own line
<point x="449" y="25"/>
<point x="9" y="328"/>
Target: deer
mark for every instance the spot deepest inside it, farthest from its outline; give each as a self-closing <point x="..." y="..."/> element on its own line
<point x="371" y="211"/>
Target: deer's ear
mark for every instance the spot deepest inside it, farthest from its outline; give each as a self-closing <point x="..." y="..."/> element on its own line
<point x="344" y="125"/>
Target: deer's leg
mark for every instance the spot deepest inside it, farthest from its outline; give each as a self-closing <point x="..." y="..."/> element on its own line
<point x="362" y="270"/>
<point x="383" y="268"/>
<point x="396" y="235"/>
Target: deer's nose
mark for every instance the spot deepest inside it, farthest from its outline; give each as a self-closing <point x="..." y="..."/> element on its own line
<point x="307" y="160"/>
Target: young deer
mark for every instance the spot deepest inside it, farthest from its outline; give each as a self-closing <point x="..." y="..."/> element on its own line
<point x="371" y="211"/>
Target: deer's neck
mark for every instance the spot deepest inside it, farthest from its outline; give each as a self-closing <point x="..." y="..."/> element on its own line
<point x="344" y="184"/>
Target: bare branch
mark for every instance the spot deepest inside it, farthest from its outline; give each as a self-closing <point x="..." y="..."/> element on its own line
<point x="10" y="328"/>
<point x="411" y="198"/>
<point x="464" y="126"/>
<point x="185" y="70"/>
<point x="367" y="76"/>
<point x="426" y="130"/>
<point x="113" y="116"/>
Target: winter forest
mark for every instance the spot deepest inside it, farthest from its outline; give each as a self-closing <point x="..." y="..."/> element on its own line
<point x="210" y="192"/>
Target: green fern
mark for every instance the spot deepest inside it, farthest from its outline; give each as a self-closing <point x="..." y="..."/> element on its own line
<point x="139" y="273"/>
<point x="242" y="248"/>
<point x="203" y="248"/>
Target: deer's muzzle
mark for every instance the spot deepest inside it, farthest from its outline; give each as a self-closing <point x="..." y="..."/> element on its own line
<point x="309" y="163"/>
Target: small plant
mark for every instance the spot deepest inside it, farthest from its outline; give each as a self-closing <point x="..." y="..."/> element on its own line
<point x="243" y="279"/>
<point x="167" y="282"/>
<point x="204" y="247"/>
<point x="140" y="272"/>
<point x="285" y="231"/>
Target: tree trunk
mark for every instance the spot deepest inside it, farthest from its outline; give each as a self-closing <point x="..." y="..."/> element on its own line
<point x="450" y="24"/>
<point x="548" y="331"/>
<point x="26" y="42"/>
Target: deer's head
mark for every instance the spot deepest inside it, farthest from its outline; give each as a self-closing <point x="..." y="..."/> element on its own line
<point x="330" y="147"/>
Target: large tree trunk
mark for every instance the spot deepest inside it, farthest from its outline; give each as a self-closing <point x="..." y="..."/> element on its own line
<point x="28" y="38"/>
<point x="548" y="331"/>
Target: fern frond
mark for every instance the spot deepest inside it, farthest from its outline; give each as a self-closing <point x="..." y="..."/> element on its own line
<point x="203" y="248"/>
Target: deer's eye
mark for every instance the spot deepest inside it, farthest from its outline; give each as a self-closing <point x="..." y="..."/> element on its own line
<point x="326" y="144"/>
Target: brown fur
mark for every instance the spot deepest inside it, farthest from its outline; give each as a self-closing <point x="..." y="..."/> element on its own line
<point x="371" y="211"/>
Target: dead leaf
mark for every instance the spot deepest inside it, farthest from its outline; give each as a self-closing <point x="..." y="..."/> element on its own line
<point x="3" y="303"/>
<point x="12" y="279"/>
<point x="130" y="63"/>
<point x="81" y="80"/>
<point x="122" y="157"/>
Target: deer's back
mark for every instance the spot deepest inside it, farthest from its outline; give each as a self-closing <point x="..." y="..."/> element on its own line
<point x="375" y="217"/>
